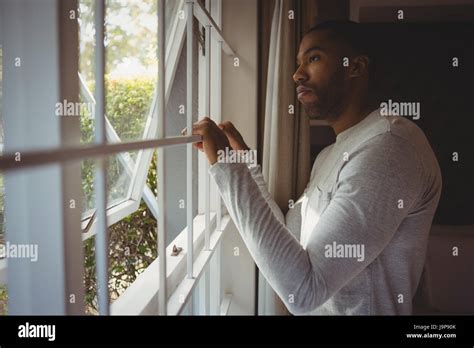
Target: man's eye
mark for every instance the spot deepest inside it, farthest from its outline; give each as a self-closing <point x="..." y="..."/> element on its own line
<point x="314" y="58"/>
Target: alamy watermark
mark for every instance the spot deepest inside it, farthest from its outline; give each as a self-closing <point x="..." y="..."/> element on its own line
<point x="345" y="251"/>
<point x="67" y="108"/>
<point x="23" y="251"/>
<point x="28" y="330"/>
<point x="407" y="109"/>
<point x="237" y="156"/>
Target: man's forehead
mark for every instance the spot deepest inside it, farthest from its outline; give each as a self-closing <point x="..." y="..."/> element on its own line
<point x="319" y="39"/>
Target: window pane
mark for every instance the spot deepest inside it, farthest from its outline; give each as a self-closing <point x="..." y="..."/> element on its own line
<point x="119" y="177"/>
<point x="131" y="65"/>
<point x="132" y="248"/>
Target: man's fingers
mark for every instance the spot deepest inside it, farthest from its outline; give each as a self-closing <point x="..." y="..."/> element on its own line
<point x="199" y="128"/>
<point x="228" y="128"/>
<point x="206" y="121"/>
<point x="227" y="125"/>
<point x="198" y="146"/>
<point x="203" y="126"/>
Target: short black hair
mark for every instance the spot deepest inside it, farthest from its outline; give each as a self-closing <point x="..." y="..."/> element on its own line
<point x="350" y="33"/>
<point x="355" y="36"/>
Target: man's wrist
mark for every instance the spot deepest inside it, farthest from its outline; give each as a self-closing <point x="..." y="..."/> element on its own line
<point x="243" y="147"/>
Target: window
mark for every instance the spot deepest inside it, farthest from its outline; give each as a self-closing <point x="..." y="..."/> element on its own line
<point x="3" y="289"/>
<point x="131" y="67"/>
<point x="129" y="46"/>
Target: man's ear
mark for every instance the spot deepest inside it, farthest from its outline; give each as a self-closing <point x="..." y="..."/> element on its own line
<point x="359" y="66"/>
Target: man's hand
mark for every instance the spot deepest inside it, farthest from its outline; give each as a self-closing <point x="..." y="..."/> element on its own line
<point x="235" y="138"/>
<point x="213" y="138"/>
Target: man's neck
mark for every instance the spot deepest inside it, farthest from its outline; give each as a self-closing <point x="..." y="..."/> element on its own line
<point x="352" y="115"/>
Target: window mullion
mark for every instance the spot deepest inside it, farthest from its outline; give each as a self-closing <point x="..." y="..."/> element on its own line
<point x="34" y="200"/>
<point x="219" y="119"/>
<point x="215" y="12"/>
<point x="101" y="239"/>
<point x="189" y="126"/>
<point x="162" y="297"/>
<point x="207" y="111"/>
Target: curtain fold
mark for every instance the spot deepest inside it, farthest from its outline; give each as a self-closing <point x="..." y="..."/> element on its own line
<point x="286" y="146"/>
<point x="285" y="153"/>
<point x="284" y="142"/>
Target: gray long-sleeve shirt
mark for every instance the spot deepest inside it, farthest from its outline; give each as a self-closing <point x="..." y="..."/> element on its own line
<point x="355" y="241"/>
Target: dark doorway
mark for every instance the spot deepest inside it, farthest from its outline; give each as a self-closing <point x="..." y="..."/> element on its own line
<point x="414" y="63"/>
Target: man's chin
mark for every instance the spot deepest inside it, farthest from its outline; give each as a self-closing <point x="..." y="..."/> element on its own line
<point x="318" y="114"/>
<point x="316" y="117"/>
<point x="314" y="114"/>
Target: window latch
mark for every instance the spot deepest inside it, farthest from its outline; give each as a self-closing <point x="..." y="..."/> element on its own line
<point x="176" y="250"/>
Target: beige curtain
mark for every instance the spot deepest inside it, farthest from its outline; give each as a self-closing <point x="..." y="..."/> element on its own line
<point x="286" y="146"/>
<point x="285" y="153"/>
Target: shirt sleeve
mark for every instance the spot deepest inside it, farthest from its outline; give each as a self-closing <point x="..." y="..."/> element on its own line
<point x="365" y="209"/>
<point x="257" y="176"/>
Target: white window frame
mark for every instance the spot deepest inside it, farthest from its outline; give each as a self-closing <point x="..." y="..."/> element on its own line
<point x="140" y="297"/>
<point x="204" y="244"/>
<point x="139" y="169"/>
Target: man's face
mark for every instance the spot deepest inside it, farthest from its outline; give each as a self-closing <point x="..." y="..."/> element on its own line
<point x="321" y="79"/>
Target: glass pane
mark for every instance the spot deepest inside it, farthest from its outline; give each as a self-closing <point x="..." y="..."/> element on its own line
<point x="125" y="19"/>
<point x="119" y="176"/>
<point x="131" y="40"/>
<point x="131" y="65"/>
<point x="132" y="248"/>
<point x="172" y="9"/>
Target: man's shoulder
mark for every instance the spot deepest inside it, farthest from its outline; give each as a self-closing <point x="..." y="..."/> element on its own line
<point x="404" y="146"/>
<point x="396" y="131"/>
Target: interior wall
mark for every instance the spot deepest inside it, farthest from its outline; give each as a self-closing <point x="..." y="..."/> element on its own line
<point x="239" y="84"/>
<point x="239" y="105"/>
<point x="360" y="10"/>
<point x="413" y="62"/>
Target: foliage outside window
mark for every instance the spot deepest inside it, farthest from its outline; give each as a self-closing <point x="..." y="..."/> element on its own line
<point x="132" y="240"/>
<point x="131" y="66"/>
<point x="131" y="77"/>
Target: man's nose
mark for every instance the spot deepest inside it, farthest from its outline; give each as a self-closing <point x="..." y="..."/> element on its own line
<point x="300" y="75"/>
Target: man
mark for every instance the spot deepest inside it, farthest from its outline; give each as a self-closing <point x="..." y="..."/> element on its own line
<point x="367" y="210"/>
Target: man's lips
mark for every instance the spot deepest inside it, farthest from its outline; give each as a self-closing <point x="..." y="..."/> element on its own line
<point x="302" y="91"/>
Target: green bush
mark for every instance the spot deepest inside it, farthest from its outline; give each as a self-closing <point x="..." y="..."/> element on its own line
<point x="132" y="248"/>
<point x="127" y="106"/>
<point x="132" y="241"/>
